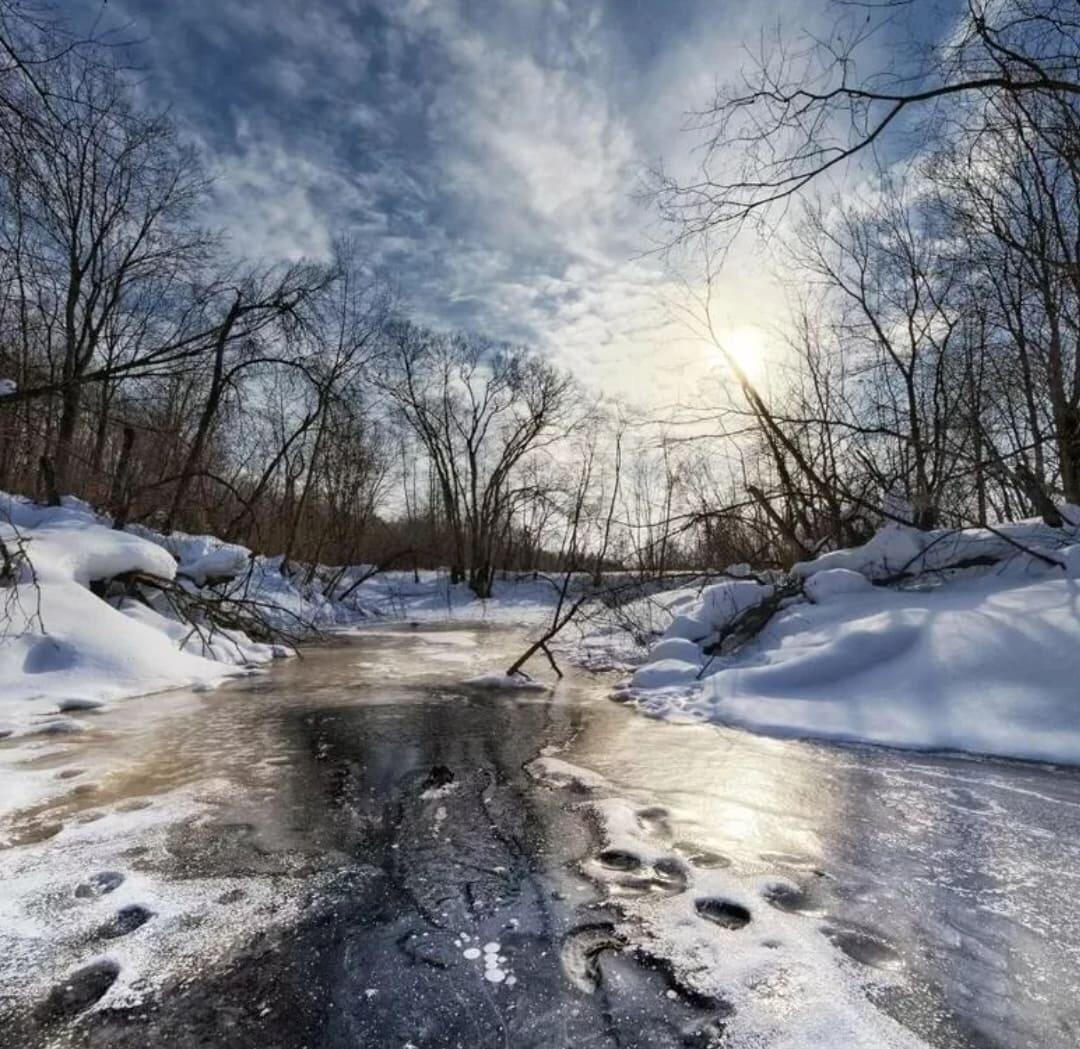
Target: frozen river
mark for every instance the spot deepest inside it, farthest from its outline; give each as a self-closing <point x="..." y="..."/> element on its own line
<point x="357" y="850"/>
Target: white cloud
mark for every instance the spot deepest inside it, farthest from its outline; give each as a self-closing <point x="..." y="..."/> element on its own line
<point x="489" y="152"/>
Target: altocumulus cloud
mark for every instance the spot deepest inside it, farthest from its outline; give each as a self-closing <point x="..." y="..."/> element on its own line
<point x="484" y="153"/>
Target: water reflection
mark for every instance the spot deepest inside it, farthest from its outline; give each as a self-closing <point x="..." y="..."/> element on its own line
<point x="964" y="869"/>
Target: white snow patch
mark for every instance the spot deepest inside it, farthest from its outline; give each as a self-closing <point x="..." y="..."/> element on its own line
<point x="675" y="648"/>
<point x="980" y="659"/>
<point x="983" y="665"/>
<point x="666" y="673"/>
<point x="64" y="642"/>
<point x="558" y="773"/>
<point x="789" y="985"/>
<point x="833" y="583"/>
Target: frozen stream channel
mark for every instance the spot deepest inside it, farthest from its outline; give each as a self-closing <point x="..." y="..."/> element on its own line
<point x="356" y="850"/>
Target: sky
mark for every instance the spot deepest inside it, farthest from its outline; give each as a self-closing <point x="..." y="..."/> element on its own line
<point x="486" y="156"/>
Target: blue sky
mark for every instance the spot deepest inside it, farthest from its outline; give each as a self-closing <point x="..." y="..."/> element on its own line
<point x="484" y="153"/>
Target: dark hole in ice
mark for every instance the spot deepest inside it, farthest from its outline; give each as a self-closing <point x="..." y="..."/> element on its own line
<point x="79" y="991"/>
<point x="863" y="946"/>
<point x="126" y="920"/>
<point x="724" y="913"/>
<point x="99" y="884"/>
<point x="619" y="860"/>
<point x="700" y="857"/>
<point x="439" y="776"/>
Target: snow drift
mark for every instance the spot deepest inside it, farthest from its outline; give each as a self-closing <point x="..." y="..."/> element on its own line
<point x="63" y="644"/>
<point x="985" y="659"/>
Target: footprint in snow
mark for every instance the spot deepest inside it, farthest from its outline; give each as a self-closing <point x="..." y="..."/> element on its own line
<point x="725" y="913"/>
<point x="125" y="921"/>
<point x="863" y="946"/>
<point x="79" y="991"/>
<point x="619" y="860"/>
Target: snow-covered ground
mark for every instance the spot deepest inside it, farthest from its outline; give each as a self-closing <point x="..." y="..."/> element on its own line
<point x="983" y="658"/>
<point x="66" y="649"/>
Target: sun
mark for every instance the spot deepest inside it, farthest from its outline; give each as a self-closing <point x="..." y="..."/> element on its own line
<point x="746" y="346"/>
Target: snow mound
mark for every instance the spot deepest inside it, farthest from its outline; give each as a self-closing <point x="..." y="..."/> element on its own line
<point x="898" y="550"/>
<point x="62" y="642"/>
<point x="974" y="665"/>
<point x="716" y="607"/>
<point x="983" y="659"/>
<point x="68" y="543"/>
<point x="833" y="583"/>
<point x="666" y="673"/>
<point x="675" y="648"/>
<point x="225" y="562"/>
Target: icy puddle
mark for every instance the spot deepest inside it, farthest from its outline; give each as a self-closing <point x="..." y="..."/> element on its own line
<point x="356" y="850"/>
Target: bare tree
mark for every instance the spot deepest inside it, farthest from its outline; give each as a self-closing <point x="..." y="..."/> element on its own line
<point x="478" y="409"/>
<point x="803" y="108"/>
<point x="101" y="197"/>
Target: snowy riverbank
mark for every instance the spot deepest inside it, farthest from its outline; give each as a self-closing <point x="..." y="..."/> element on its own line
<point x="982" y="658"/>
<point x="889" y="643"/>
<point x="75" y="636"/>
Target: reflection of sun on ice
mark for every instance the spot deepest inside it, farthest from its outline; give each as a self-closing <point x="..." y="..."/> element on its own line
<point x="747" y="349"/>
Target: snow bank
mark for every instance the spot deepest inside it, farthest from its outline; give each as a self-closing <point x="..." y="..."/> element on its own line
<point x="63" y="643"/>
<point x="983" y="660"/>
<point x="971" y="666"/>
<point x="716" y="607"/>
<point x="900" y="550"/>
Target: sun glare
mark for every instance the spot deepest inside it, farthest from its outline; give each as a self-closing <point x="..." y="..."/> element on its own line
<point x="747" y="348"/>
